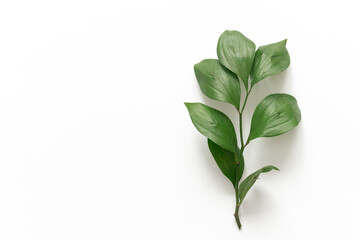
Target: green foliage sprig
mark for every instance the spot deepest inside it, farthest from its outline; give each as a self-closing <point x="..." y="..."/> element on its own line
<point x="220" y="80"/>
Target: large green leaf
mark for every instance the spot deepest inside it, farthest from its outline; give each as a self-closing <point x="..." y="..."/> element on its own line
<point x="217" y="82"/>
<point x="214" y="125"/>
<point x="248" y="182"/>
<point x="269" y="60"/>
<point x="226" y="161"/>
<point x="236" y="52"/>
<point x="276" y="114"/>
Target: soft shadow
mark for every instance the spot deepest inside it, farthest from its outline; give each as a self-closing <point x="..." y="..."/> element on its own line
<point x="256" y="204"/>
<point x="283" y="151"/>
<point x="274" y="150"/>
<point x="270" y="85"/>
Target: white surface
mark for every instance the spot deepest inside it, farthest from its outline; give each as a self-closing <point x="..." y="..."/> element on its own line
<point x="95" y="142"/>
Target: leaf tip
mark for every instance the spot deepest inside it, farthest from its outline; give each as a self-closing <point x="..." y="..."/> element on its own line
<point x="275" y="168"/>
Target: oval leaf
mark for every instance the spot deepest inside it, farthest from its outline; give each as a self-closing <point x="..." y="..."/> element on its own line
<point x="217" y="82"/>
<point x="213" y="124"/>
<point x="276" y="114"/>
<point x="236" y="52"/>
<point x="269" y="60"/>
<point x="250" y="180"/>
<point x="225" y="160"/>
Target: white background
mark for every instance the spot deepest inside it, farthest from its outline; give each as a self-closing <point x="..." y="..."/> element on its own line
<point x="95" y="142"/>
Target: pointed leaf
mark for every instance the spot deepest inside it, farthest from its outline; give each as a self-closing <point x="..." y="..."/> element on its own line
<point x="213" y="124"/>
<point x="269" y="60"/>
<point x="217" y="82"/>
<point x="225" y="160"/>
<point x="236" y="52"/>
<point x="276" y="114"/>
<point x="248" y="182"/>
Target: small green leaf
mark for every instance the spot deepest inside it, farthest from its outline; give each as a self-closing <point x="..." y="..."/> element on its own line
<point x="276" y="114"/>
<point x="225" y="160"/>
<point x="269" y="60"/>
<point x="236" y="52"/>
<point x="217" y="82"/>
<point x="248" y="182"/>
<point x="213" y="124"/>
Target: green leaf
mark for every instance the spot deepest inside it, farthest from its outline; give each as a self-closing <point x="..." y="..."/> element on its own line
<point x="217" y="82"/>
<point x="248" y="182"/>
<point x="225" y="160"/>
<point x="214" y="125"/>
<point x="276" y="114"/>
<point x="269" y="60"/>
<point x="236" y="52"/>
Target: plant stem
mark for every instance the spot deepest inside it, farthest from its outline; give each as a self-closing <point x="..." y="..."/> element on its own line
<point x="240" y="117"/>
<point x="236" y="214"/>
<point x="241" y="132"/>
<point x="240" y="158"/>
<point x="246" y="97"/>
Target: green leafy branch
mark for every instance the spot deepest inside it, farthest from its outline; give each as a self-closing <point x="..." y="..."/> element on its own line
<point x="219" y="79"/>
